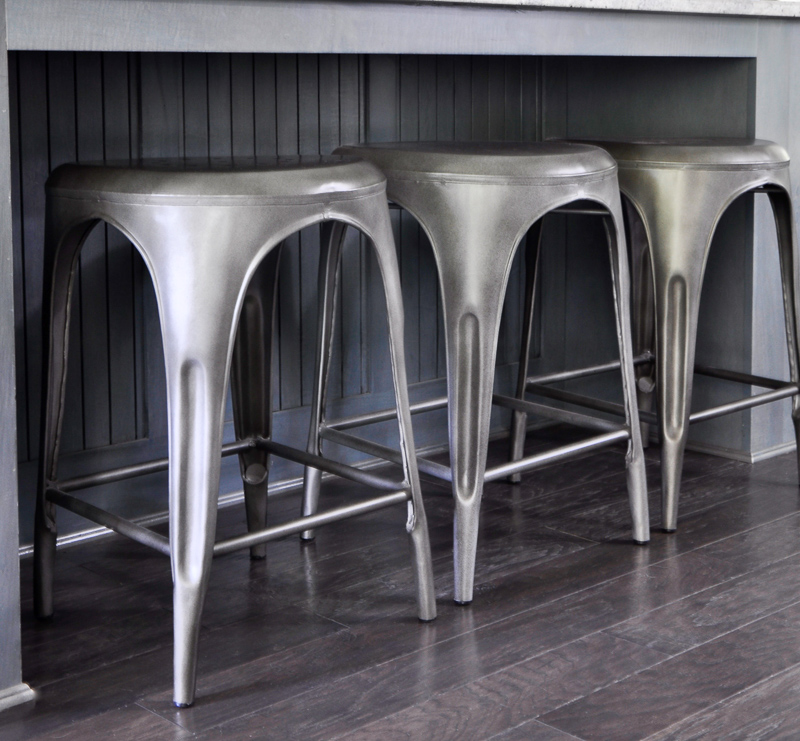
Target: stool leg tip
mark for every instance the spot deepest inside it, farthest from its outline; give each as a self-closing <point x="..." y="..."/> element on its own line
<point x="668" y="529"/>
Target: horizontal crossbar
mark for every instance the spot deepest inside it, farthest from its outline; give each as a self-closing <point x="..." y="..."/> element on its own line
<point x="383" y="415"/>
<point x="113" y="522"/>
<point x="560" y="415"/>
<point x="746" y="378"/>
<point x="781" y="390"/>
<point x="381" y="451"/>
<point x="746" y="403"/>
<point x="561" y="453"/>
<point x="138" y="469"/>
<point x="309" y="523"/>
<point x="589" y="371"/>
<point x="323" y="464"/>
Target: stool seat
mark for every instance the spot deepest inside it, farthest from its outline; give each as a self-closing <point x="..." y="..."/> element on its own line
<point x="510" y="163"/>
<point x="262" y="180"/>
<point x="211" y="234"/>
<point x="696" y="154"/>
<point x="476" y="202"/>
<point x="675" y="192"/>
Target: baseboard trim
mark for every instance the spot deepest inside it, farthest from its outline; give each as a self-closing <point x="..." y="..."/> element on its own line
<point x="742" y="455"/>
<point x="16" y="695"/>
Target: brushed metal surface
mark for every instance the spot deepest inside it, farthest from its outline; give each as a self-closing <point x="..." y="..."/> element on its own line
<point x="205" y="229"/>
<point x="476" y="202"/>
<point x="677" y="191"/>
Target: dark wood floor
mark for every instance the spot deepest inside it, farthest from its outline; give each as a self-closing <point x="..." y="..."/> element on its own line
<point x="574" y="631"/>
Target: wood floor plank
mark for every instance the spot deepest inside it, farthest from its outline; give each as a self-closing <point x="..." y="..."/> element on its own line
<point x="506" y="699"/>
<point x="322" y="641"/>
<point x="705" y="615"/>
<point x="130" y="723"/>
<point x="348" y="691"/>
<point x="654" y="699"/>
<point x="768" y="710"/>
<point x="533" y="729"/>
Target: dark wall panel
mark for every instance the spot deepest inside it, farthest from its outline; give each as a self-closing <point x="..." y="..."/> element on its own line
<point x="84" y="106"/>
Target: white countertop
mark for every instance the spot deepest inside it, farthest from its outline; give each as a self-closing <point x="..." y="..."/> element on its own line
<point x="759" y="8"/>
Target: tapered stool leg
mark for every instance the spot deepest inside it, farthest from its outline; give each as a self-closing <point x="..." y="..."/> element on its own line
<point x="63" y="249"/>
<point x="330" y="253"/>
<point x="642" y="311"/>
<point x="679" y="256"/>
<point x="637" y="479"/>
<point x="473" y="282"/>
<point x="519" y="420"/>
<point x="788" y="249"/>
<point x="196" y="349"/>
<point x="380" y="231"/>
<point x="251" y="389"/>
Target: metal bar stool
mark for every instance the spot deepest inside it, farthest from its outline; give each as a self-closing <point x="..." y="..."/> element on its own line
<point x="675" y="192"/>
<point x="476" y="202"/>
<point x="210" y="234"/>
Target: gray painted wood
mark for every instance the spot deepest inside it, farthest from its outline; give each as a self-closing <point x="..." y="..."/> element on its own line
<point x="12" y="690"/>
<point x="170" y="98"/>
<point x="221" y="104"/>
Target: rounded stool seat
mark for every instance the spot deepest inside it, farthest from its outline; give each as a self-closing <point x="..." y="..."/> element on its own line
<point x="675" y="191"/>
<point x="486" y="163"/>
<point x="477" y="201"/>
<point x="210" y="233"/>
<point x="696" y="154"/>
<point x="262" y="180"/>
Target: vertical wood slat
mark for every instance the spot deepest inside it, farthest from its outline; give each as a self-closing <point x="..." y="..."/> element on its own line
<point x="33" y="158"/>
<point x="161" y="134"/>
<point x="308" y="143"/>
<point x="94" y="269"/>
<point x="286" y="82"/>
<point x="410" y="238"/>
<point x="351" y="131"/>
<point x="219" y="105"/>
<point x="120" y="256"/>
<point x="20" y="318"/>
<point x="329" y="136"/>
<point x="429" y="301"/>
<point x="266" y="145"/>
<point x="195" y="105"/>
<point x="382" y="125"/>
<point x="63" y="142"/>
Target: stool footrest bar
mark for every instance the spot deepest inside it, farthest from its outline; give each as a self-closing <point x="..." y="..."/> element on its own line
<point x="113" y="522"/>
<point x="138" y="469"/>
<point x="589" y="371"/>
<point x="747" y="403"/>
<point x="329" y="466"/>
<point x="560" y="415"/>
<point x="309" y="523"/>
<point x="381" y="451"/>
<point x="726" y="375"/>
<point x="558" y="454"/>
<point x="600" y="405"/>
<point x="384" y="415"/>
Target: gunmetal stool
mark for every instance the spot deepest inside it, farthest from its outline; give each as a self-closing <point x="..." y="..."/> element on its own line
<point x="476" y="202"/>
<point x="675" y="192"/>
<point x="210" y="234"/>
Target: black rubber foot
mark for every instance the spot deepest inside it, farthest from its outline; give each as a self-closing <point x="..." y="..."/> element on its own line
<point x="463" y="604"/>
<point x="182" y="704"/>
<point x="258" y="558"/>
<point x="641" y="542"/>
<point x="667" y="530"/>
<point x="423" y="620"/>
